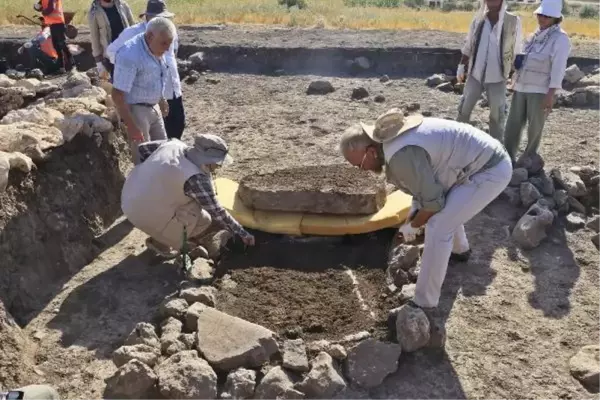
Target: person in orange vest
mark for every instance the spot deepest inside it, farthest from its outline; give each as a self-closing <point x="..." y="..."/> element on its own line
<point x="42" y="52"/>
<point x="54" y="18"/>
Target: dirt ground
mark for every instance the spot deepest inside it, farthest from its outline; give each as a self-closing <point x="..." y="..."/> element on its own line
<point x="513" y="318"/>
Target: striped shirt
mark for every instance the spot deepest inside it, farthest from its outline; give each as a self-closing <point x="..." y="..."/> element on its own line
<point x="200" y="188"/>
<point x="139" y="73"/>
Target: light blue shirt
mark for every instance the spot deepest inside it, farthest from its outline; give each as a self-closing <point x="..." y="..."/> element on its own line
<point x="139" y="73"/>
<point x="173" y="84"/>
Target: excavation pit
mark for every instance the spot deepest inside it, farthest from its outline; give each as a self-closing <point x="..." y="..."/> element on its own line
<point x="314" y="288"/>
<point x="318" y="189"/>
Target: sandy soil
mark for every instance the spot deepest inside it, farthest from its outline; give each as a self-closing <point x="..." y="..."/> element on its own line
<point x="513" y="318"/>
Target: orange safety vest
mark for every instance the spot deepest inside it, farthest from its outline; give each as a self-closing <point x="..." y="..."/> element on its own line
<point x="56" y="16"/>
<point x="46" y="45"/>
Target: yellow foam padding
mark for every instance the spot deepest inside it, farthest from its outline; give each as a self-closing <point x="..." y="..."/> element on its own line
<point x="393" y="213"/>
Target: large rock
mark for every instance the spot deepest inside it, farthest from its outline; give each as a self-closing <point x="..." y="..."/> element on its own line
<point x="134" y="380"/>
<point x="370" y="361"/>
<point x="592" y="80"/>
<point x="6" y="82"/>
<point x="403" y="256"/>
<point x="170" y="331"/>
<point x="519" y="176"/>
<point x="45" y="88"/>
<point x="359" y="93"/>
<point x="228" y="342"/>
<point x="569" y="181"/>
<point x="320" y="87"/>
<point x="93" y="93"/>
<point x="412" y="328"/>
<point x="240" y="383"/>
<point x="186" y="376"/>
<point x="84" y="122"/>
<point x="203" y="294"/>
<point x="143" y="333"/>
<point x="294" y="355"/>
<point x="529" y="194"/>
<point x="585" y="367"/>
<point x="37" y="115"/>
<point x="573" y="74"/>
<point x="436" y="80"/>
<point x="543" y="183"/>
<point x="29" y="139"/>
<point x="575" y="221"/>
<point x="533" y="163"/>
<point x="531" y="228"/>
<point x="72" y="106"/>
<point x="324" y="380"/>
<point x="192" y="314"/>
<point x="147" y="354"/>
<point x="329" y="189"/>
<point x="173" y="307"/>
<point x="588" y="96"/>
<point x="29" y="84"/>
<point x="277" y="384"/>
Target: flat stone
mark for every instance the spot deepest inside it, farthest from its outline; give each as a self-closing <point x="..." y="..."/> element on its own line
<point x="228" y="342"/>
<point x="143" y="333"/>
<point x="173" y="307"/>
<point x="529" y="194"/>
<point x="585" y="367"/>
<point x="204" y="294"/>
<point x="412" y="328"/>
<point x="294" y="355"/>
<point x="240" y="383"/>
<point x="324" y="380"/>
<point x="370" y="361"/>
<point x="329" y="189"/>
<point x="594" y="224"/>
<point x="575" y="221"/>
<point x="569" y="181"/>
<point x="147" y="354"/>
<point x="186" y="376"/>
<point x="531" y="228"/>
<point x="134" y="380"/>
<point x="519" y="175"/>
<point x="277" y="384"/>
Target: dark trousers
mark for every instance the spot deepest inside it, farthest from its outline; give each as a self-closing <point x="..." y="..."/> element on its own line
<point x="175" y="121"/>
<point x="59" y="41"/>
<point x="43" y="61"/>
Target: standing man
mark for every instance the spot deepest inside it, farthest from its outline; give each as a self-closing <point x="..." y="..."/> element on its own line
<point x="452" y="170"/>
<point x="139" y="83"/>
<point x="52" y="11"/>
<point x="107" y="19"/>
<point x="175" y="120"/>
<point x="490" y="49"/>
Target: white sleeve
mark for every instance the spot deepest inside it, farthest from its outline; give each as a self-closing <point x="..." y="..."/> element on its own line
<point x="519" y="37"/>
<point x="466" y="49"/>
<point x="559" y="61"/>
<point x="112" y="49"/>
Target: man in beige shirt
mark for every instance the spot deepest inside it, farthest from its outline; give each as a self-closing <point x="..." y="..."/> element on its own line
<point x="451" y="169"/>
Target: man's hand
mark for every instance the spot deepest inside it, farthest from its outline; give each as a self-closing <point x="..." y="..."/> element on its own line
<point x="248" y="240"/>
<point x="135" y="134"/>
<point x="460" y="73"/>
<point x="548" y="102"/>
<point x="408" y="232"/>
<point x="164" y="107"/>
<point x="102" y="72"/>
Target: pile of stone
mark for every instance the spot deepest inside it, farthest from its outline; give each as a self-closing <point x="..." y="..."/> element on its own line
<point x="198" y="351"/>
<point x="546" y="196"/>
<point x="445" y="82"/>
<point x="52" y="115"/>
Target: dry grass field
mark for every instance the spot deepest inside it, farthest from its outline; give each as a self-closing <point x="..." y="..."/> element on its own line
<point x="333" y="14"/>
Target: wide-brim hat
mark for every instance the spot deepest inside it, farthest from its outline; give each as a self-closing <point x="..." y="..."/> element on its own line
<point x="550" y="8"/>
<point x="157" y="8"/>
<point x="209" y="149"/>
<point x="391" y="124"/>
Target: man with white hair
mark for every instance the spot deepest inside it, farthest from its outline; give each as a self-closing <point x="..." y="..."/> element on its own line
<point x="490" y="48"/>
<point x="139" y="83"/>
<point x="451" y="169"/>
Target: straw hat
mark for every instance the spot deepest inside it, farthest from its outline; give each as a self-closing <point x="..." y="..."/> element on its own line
<point x="391" y="124"/>
<point x="209" y="149"/>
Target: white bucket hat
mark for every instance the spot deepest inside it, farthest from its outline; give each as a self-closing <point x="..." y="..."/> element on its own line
<point x="209" y="149"/>
<point x="550" y="8"/>
<point x="391" y="124"/>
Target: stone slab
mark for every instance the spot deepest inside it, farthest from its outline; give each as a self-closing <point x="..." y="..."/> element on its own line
<point x="319" y="189"/>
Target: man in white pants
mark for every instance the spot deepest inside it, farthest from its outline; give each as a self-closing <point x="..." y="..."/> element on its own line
<point x="493" y="41"/>
<point x="451" y="169"/>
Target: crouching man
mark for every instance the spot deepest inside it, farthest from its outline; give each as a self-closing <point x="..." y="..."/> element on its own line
<point x="451" y="169"/>
<point x="172" y="188"/>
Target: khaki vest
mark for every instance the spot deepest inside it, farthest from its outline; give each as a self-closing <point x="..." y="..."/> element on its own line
<point x="508" y="38"/>
<point x="153" y="192"/>
<point x="456" y="150"/>
<point x="537" y="66"/>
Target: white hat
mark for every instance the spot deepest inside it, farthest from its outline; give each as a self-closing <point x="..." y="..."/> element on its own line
<point x="550" y="8"/>
<point x="209" y="149"/>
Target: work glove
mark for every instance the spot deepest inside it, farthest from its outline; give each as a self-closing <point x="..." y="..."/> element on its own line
<point x="408" y="232"/>
<point x="460" y="73"/>
<point x="414" y="209"/>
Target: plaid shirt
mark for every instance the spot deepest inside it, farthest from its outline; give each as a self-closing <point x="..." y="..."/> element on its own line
<point x="200" y="188"/>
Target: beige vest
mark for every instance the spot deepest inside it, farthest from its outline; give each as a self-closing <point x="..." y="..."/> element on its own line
<point x="537" y="66"/>
<point x="100" y="32"/>
<point x="508" y="38"/>
<point x="456" y="150"/>
<point x="153" y="193"/>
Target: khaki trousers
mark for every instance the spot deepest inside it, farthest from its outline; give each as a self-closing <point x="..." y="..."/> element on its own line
<point x="496" y="94"/>
<point x="149" y="120"/>
<point x="525" y="108"/>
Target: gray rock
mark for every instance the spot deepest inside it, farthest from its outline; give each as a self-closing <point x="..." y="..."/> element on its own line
<point x="192" y="314"/>
<point x="407" y="292"/>
<point x="547" y="202"/>
<point x="413" y="273"/>
<point x="576" y="205"/>
<point x="531" y="228"/>
<point x="569" y="181"/>
<point x="188" y="339"/>
<point x="575" y="221"/>
<point x="35" y="73"/>
<point x="337" y="351"/>
<point x="174" y="347"/>
<point x="228" y="342"/>
<point x="573" y="74"/>
<point x="317" y="346"/>
<point x="384" y="79"/>
<point x="512" y="195"/>
<point x="404" y="257"/>
<point x="533" y="163"/>
<point x="134" y="380"/>
<point x="594" y="224"/>
<point x="596" y="240"/>
<point x="543" y="183"/>
<point x="201" y="270"/>
<point x="277" y="384"/>
<point x="359" y="93"/>
<point x="147" y="354"/>
<point x="186" y="376"/>
<point x="586" y="96"/>
<point x="586" y="172"/>
<point x="173" y="307"/>
<point x="435" y="80"/>
<point x="560" y="197"/>
<point x="585" y="367"/>
<point x="379" y="98"/>
<point x="529" y="194"/>
<point x="412" y="328"/>
<point x="324" y="380"/>
<point x="294" y="355"/>
<point x="143" y="333"/>
<point x="370" y="361"/>
<point x="205" y="294"/>
<point x="240" y="383"/>
<point x="320" y="88"/>
<point x="170" y="331"/>
<point x="519" y="175"/>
